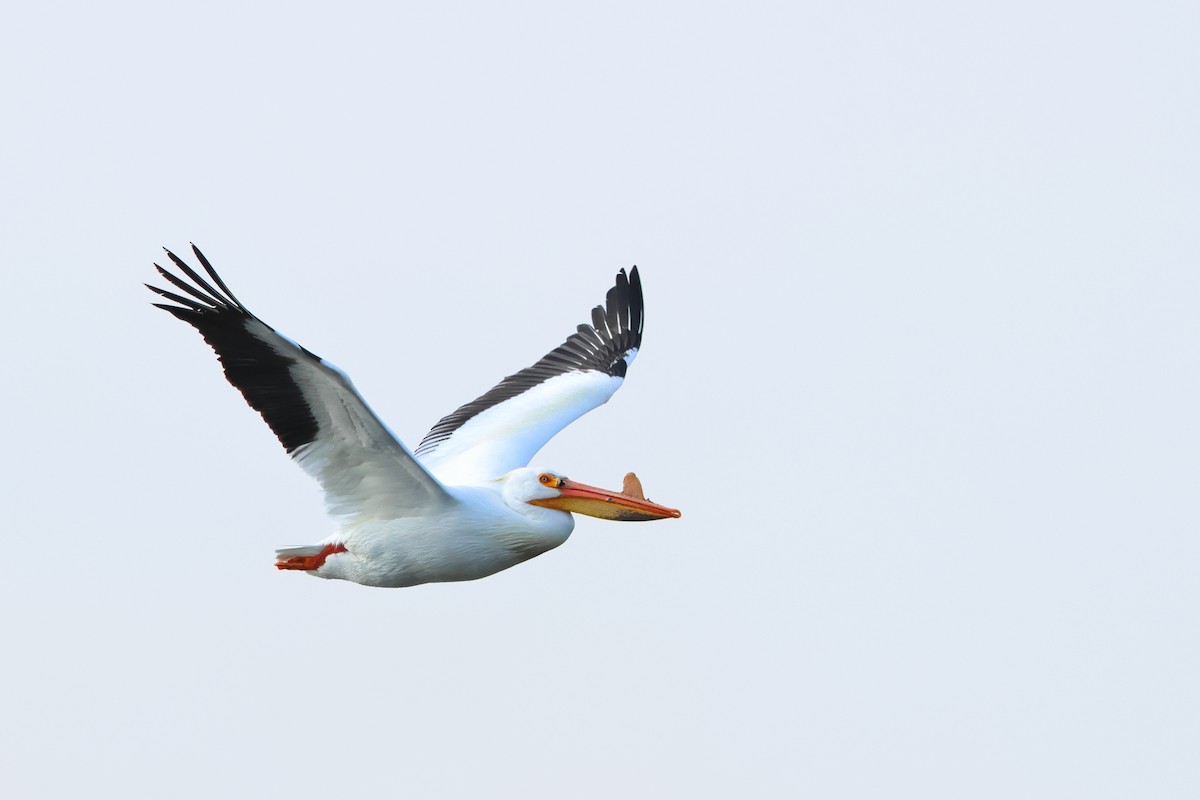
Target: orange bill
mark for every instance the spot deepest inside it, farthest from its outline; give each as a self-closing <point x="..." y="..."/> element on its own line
<point x="579" y="498"/>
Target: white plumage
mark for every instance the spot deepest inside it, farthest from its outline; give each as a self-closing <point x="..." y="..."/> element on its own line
<point x="467" y="505"/>
<point x="507" y="436"/>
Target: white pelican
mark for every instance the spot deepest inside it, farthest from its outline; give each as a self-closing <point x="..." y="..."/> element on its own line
<point x="466" y="505"/>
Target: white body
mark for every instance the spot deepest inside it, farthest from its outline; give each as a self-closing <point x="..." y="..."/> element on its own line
<point x="479" y="535"/>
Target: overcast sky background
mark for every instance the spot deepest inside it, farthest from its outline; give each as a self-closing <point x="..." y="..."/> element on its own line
<point x="920" y="369"/>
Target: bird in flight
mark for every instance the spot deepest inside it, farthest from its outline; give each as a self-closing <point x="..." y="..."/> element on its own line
<point x="463" y="505"/>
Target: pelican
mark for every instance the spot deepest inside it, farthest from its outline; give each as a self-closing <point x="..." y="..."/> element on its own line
<point x="465" y="504"/>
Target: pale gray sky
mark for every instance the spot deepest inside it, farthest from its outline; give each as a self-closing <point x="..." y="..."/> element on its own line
<point x="920" y="369"/>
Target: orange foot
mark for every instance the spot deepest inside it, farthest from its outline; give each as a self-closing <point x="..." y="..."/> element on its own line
<point x="309" y="563"/>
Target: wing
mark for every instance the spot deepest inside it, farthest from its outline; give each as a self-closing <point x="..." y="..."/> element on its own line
<point x="504" y="428"/>
<point x="311" y="405"/>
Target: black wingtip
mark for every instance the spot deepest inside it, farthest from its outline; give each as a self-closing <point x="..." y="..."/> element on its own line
<point x="212" y="273"/>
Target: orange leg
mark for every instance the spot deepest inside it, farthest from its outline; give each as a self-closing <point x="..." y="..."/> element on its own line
<point x="309" y="563"/>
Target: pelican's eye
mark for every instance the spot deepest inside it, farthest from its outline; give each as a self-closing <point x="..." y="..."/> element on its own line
<point x="546" y="478"/>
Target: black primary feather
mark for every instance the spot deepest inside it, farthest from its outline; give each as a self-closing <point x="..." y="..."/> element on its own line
<point x="259" y="370"/>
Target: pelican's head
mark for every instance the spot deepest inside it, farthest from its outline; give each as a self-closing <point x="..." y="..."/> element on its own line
<point x="552" y="490"/>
